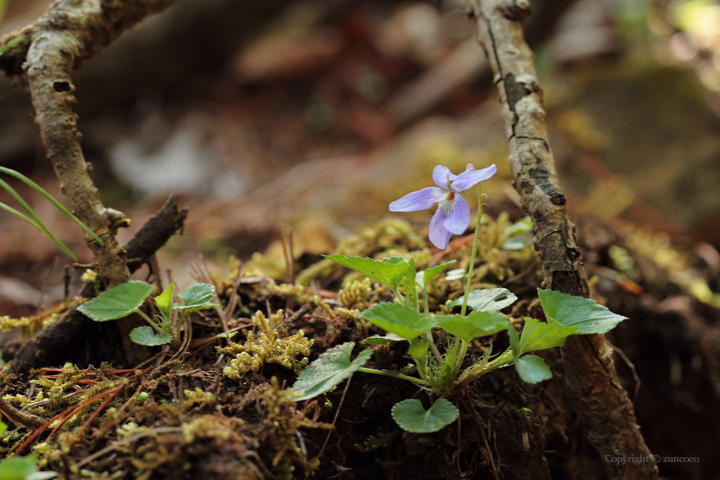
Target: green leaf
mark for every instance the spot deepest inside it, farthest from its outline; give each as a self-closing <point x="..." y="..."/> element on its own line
<point x="116" y="302"/>
<point x="22" y="468"/>
<point x="488" y="300"/>
<point x="164" y="301"/>
<point x="516" y="243"/>
<point x="539" y="336"/>
<point x="399" y="319"/>
<point x="3" y="427"/>
<point x="389" y="271"/>
<point x="583" y="313"/>
<point x="426" y="275"/>
<point x="382" y="340"/>
<point x="523" y="226"/>
<point x="412" y="416"/>
<point x="455" y="274"/>
<point x="147" y="336"/>
<point x="196" y="297"/>
<point x="477" y="324"/>
<point x="331" y="368"/>
<point x="532" y="369"/>
<point x="227" y="335"/>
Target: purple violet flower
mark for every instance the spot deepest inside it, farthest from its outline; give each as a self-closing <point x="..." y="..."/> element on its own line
<point x="453" y="214"/>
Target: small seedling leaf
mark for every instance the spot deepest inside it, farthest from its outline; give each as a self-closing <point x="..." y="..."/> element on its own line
<point x="399" y="319"/>
<point x="583" y="313"/>
<point x="477" y="324"/>
<point x="426" y="275"/>
<point x="164" y="301"/>
<point x="116" y="302"/>
<point x="412" y="416"/>
<point x="389" y="271"/>
<point x="488" y="300"/>
<point x="532" y="369"/>
<point x="227" y="335"/>
<point x="147" y="336"/>
<point x="196" y="297"/>
<point x="382" y="340"/>
<point x="328" y="371"/>
<point x="539" y="336"/>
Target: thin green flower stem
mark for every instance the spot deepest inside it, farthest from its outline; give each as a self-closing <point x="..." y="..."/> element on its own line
<point x="45" y="194"/>
<point x="459" y="359"/>
<point x="425" y="301"/>
<point x="474" y="250"/>
<point x="427" y="336"/>
<point x="150" y="321"/>
<point x="477" y="371"/>
<point x="395" y="375"/>
<point x="38" y="223"/>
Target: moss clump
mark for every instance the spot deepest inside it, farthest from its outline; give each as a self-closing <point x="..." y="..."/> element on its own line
<point x="354" y="296"/>
<point x="272" y="345"/>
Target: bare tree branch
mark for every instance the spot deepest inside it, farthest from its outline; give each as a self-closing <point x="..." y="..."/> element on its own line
<point x="595" y="392"/>
<point x="68" y="33"/>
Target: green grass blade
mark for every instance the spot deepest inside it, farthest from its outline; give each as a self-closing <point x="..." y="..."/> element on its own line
<point x="39" y="189"/>
<point x="24" y="217"/>
<point x="11" y="43"/>
<point x="37" y="222"/>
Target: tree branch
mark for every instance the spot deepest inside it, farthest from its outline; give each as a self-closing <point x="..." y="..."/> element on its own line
<point x="68" y="33"/>
<point x="592" y="384"/>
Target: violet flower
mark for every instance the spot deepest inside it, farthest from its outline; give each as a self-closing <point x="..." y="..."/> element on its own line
<point x="453" y="214"/>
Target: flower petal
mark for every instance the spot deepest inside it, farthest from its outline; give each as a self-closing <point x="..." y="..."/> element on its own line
<point x="459" y="219"/>
<point x="439" y="235"/>
<point x="420" y="200"/>
<point x="443" y="176"/>
<point x="472" y="177"/>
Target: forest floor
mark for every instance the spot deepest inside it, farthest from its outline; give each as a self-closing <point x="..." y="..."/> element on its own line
<point x="321" y="143"/>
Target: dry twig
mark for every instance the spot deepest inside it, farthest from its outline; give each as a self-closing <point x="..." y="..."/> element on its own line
<point x="595" y="393"/>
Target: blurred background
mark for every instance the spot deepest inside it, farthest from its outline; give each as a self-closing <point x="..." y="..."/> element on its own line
<point x="318" y="113"/>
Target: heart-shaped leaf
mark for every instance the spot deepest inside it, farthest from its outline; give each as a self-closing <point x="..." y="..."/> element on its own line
<point x="489" y="300"/>
<point x="583" y="313"/>
<point x="116" y="302"/>
<point x="477" y="324"/>
<point x="147" y="336"/>
<point x="399" y="319"/>
<point x="532" y="369"/>
<point x="389" y="271"/>
<point x="196" y="297"/>
<point x="412" y="416"/>
<point x="331" y="368"/>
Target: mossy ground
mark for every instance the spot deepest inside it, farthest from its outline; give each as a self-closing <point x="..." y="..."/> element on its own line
<point x="181" y="417"/>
